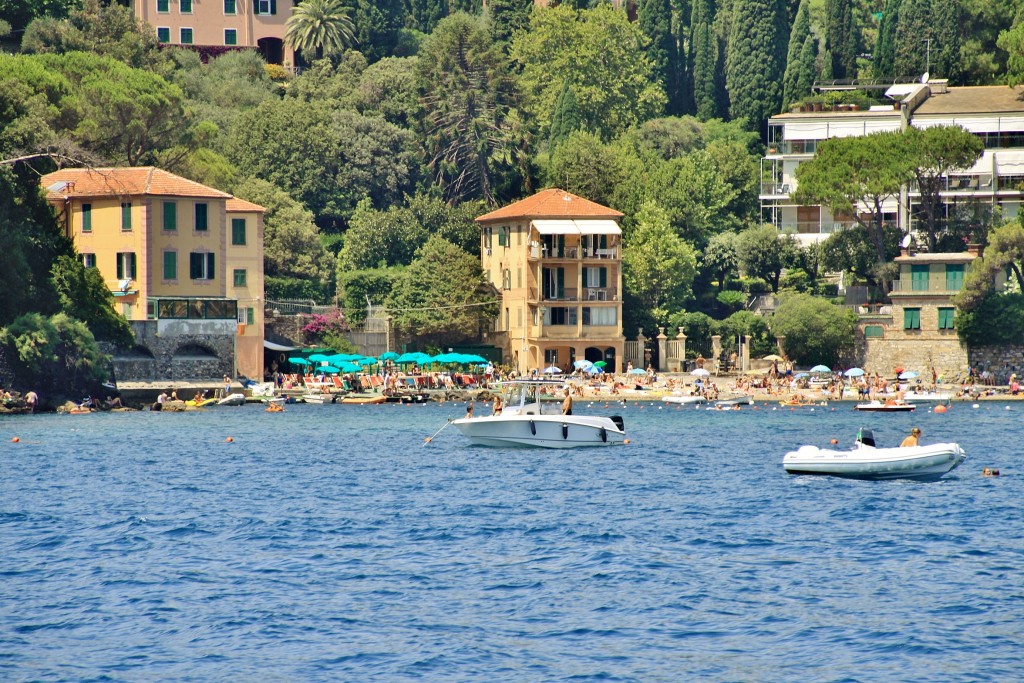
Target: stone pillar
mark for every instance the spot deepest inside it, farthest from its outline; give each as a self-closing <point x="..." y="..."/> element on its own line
<point x="681" y="337"/>
<point x="662" y="351"/>
<point x="780" y="342"/>
<point x="745" y="352"/>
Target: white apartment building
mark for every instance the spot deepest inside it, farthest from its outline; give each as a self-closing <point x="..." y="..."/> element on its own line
<point x="994" y="113"/>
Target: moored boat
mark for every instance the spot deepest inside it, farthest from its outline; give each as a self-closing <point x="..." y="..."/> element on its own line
<point x="525" y="421"/>
<point x="889" y="406"/>
<point x="232" y="400"/>
<point x="319" y="399"/>
<point x="865" y="461"/>
<point x="363" y="400"/>
<point x="684" y="400"/>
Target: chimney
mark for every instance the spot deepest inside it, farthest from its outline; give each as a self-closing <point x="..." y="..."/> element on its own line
<point x="975" y="249"/>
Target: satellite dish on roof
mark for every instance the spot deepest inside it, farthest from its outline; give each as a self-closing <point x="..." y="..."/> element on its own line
<point x="905" y="242"/>
<point x="924" y="77"/>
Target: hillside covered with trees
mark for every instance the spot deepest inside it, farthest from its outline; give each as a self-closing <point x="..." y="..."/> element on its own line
<point x="408" y="119"/>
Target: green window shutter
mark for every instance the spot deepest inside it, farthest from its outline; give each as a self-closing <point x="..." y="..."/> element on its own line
<point x="210" y="270"/>
<point x="946" y="318"/>
<point x="229" y="6"/>
<point x="239" y="277"/>
<point x="133" y="264"/>
<point x="202" y="222"/>
<point x="170" y="265"/>
<point x="163" y="6"/>
<point x="170" y="215"/>
<point x="954" y="277"/>
<point x="186" y="36"/>
<point x="603" y="242"/>
<point x="911" y="318"/>
<point x="195" y="266"/>
<point x="501" y="237"/>
<point x="250" y="316"/>
<point x="604" y="277"/>
<point x="560" y="274"/>
<point x="230" y="36"/>
<point x="126" y="215"/>
<point x="874" y="331"/>
<point x="273" y="6"/>
<point x="86" y="217"/>
<point x="238" y="231"/>
<point x="120" y="266"/>
<point x="919" y="278"/>
<point x="163" y="34"/>
<point x="186" y="6"/>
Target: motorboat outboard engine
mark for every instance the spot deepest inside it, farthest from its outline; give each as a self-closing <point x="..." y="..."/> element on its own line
<point x="866" y="437"/>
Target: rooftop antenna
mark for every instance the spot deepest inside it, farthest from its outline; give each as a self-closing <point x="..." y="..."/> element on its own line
<point x="927" y="59"/>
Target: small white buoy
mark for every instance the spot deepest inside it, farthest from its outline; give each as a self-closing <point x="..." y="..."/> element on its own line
<point x="975" y="406"/>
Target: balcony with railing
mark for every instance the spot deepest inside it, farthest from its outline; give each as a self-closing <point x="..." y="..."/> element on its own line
<point x="815" y="227"/>
<point x="776" y="189"/>
<point x="572" y="253"/>
<point x="939" y="286"/>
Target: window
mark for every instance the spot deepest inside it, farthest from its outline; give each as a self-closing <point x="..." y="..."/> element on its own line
<point x="506" y="279"/>
<point x="560" y="315"/>
<point x="151" y="308"/>
<point x="874" y="331"/>
<point x="229" y="7"/>
<point x="488" y="236"/>
<point x="201" y="266"/>
<point x="266" y="6"/>
<point x="89" y="260"/>
<point x="186" y="8"/>
<point x="550" y="356"/>
<point x="239" y="277"/>
<point x="954" y="279"/>
<point x="501" y="237"/>
<point x="163" y="34"/>
<point x="519" y="277"/>
<point x="919" y="278"/>
<point x="126" y="263"/>
<point x="86" y="217"/>
<point x="170" y="215"/>
<point x="126" y="215"/>
<point x="202" y="224"/>
<point x="911" y="318"/>
<point x="946" y="318"/>
<point x="170" y="265"/>
<point x="230" y="36"/>
<point x="126" y="310"/>
<point x="238" y="231"/>
<point x="186" y="36"/>
<point x="163" y="6"/>
<point x="247" y="316"/>
<point x="605" y="315"/>
<point x="595" y="277"/>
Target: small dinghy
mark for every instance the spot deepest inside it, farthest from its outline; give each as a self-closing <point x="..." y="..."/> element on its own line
<point x="684" y="400"/>
<point x="865" y="461"/>
<point x="232" y="400"/>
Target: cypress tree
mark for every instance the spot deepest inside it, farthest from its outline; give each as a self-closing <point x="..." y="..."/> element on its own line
<point x="797" y="37"/>
<point x="704" y="54"/>
<point x="807" y="69"/>
<point x="842" y="37"/>
<point x="885" y="48"/>
<point x="826" y="67"/>
<point x="755" y="60"/>
<point x="566" y="117"/>
<point x="914" y="26"/>
<point x="655" y="20"/>
<point x="947" y="18"/>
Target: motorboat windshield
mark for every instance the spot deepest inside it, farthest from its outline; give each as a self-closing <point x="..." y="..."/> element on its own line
<point x="524" y="397"/>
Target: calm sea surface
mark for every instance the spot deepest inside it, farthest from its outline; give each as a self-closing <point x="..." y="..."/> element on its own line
<point x="329" y="543"/>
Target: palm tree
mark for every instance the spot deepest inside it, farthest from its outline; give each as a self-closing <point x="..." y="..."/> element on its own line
<point x="320" y="26"/>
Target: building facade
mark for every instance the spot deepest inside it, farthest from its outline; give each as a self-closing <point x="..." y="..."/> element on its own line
<point x="183" y="261"/>
<point x="258" y="24"/>
<point x="557" y="260"/>
<point x="996" y="181"/>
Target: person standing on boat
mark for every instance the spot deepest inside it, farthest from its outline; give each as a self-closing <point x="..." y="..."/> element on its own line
<point x="911" y="440"/>
<point x="498" y="405"/>
<point x="567" y="403"/>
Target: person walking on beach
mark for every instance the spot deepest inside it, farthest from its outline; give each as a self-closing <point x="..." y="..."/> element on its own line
<point x="911" y="440"/>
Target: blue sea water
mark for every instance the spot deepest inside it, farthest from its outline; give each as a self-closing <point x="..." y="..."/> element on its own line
<point x="332" y="543"/>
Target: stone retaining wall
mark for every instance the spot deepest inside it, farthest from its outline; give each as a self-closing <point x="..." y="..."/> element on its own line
<point x="1002" y="361"/>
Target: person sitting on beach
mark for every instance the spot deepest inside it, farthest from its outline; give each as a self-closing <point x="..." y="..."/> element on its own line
<point x="911" y="440"/>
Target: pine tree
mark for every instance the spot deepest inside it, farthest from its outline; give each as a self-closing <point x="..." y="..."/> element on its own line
<point x="566" y="117"/>
<point x="913" y="28"/>
<point x="797" y="37"/>
<point x="885" y="47"/>
<point x="756" y="60"/>
<point x="507" y="17"/>
<point x="704" y="54"/>
<point x="842" y="37"/>
<point x="655" y="19"/>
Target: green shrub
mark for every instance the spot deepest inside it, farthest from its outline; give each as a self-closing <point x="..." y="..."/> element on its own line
<point x="731" y="300"/>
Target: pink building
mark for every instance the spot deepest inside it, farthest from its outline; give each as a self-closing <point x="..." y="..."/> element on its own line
<point x="255" y="24"/>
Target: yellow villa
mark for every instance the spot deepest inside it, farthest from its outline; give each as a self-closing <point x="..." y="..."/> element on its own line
<point x="556" y="259"/>
<point x="183" y="260"/>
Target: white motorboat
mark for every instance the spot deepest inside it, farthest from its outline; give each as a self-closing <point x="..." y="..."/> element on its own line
<point x="319" y="399"/>
<point x="865" y="461"/>
<point x="232" y="400"/>
<point x="526" y="421"/>
<point x="889" y="406"/>
<point x="275" y="400"/>
<point x="731" y="403"/>
<point x="684" y="400"/>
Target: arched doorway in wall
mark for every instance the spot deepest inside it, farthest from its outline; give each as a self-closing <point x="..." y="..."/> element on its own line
<point x="593" y="354"/>
<point x="271" y="49"/>
<point x="609" y="359"/>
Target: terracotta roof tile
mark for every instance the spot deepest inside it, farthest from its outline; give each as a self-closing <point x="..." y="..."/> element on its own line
<point x="125" y="182"/>
<point x="551" y="203"/>
<point x="236" y="204"/>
